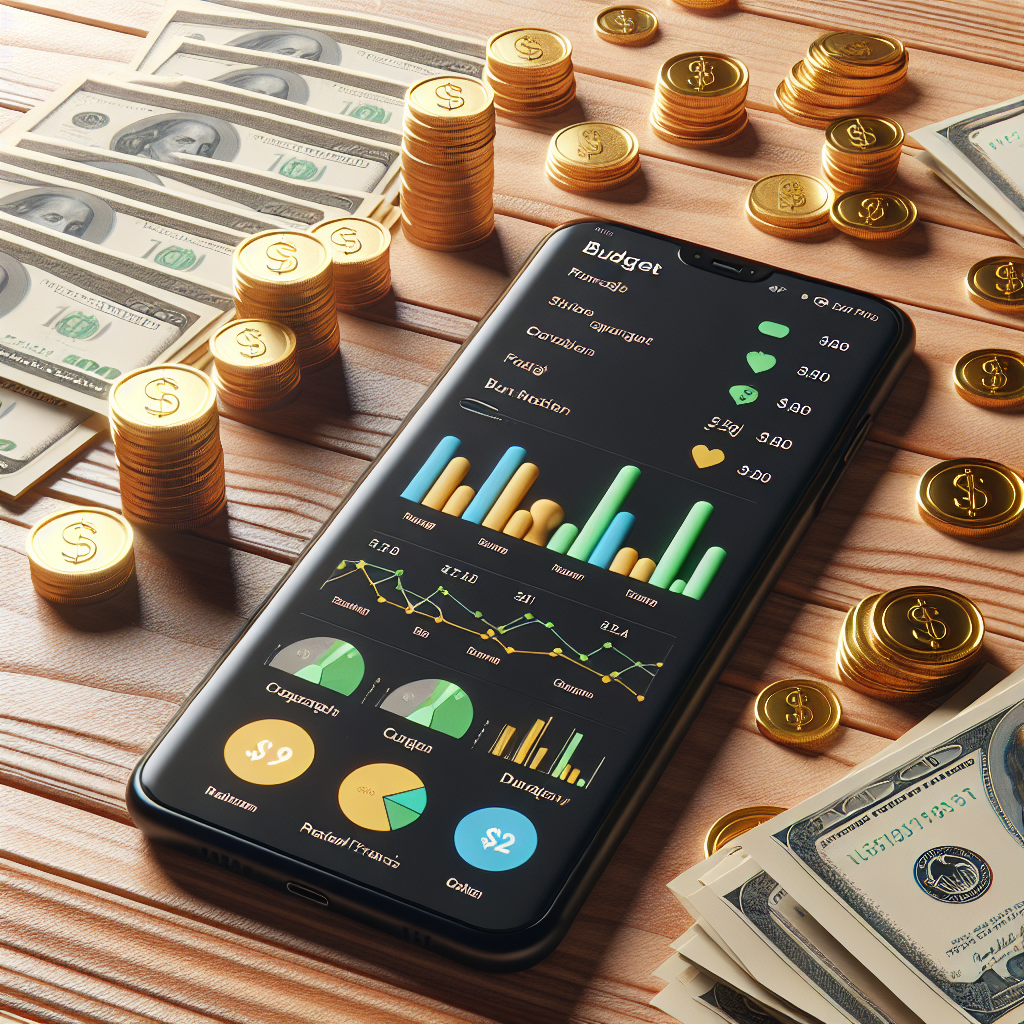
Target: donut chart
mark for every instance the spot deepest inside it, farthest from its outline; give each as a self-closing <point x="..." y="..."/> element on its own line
<point x="382" y="797"/>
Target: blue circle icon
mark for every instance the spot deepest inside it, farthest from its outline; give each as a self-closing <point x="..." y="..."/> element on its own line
<point x="495" y="839"/>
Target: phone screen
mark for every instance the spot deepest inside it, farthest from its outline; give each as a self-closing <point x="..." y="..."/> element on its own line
<point x="459" y="678"/>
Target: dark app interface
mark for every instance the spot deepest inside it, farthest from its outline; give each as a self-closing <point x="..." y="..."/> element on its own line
<point x="453" y="686"/>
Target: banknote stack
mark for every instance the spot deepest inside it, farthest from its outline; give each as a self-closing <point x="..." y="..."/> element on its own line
<point x="892" y="897"/>
<point x="842" y="72"/>
<point x="288" y="277"/>
<point x="256" y="364"/>
<point x="166" y="432"/>
<point x="361" y="252"/>
<point x="699" y="100"/>
<point x="530" y="72"/>
<point x="861" y="152"/>
<point x="592" y="157"/>
<point x="791" y="206"/>
<point x="80" y="555"/>
<point x="448" y="163"/>
<point x="909" y="644"/>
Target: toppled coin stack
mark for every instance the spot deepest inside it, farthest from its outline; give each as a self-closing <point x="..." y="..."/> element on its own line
<point x="592" y="157"/>
<point x="798" y="713"/>
<point x="991" y="377"/>
<point x="873" y="214"/>
<point x="861" y="152"/>
<point x="699" y="100"/>
<point x="166" y="432"/>
<point x="626" y="26"/>
<point x="448" y="163"/>
<point x="530" y="71"/>
<point x="256" y="364"/>
<point x="909" y="644"/>
<point x="80" y="555"/>
<point x="791" y="206"/>
<point x="971" y="498"/>
<point x="361" y="251"/>
<point x="843" y="71"/>
<point x="997" y="282"/>
<point x="287" y="276"/>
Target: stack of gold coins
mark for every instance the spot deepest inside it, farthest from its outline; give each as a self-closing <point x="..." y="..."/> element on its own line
<point x="448" y="163"/>
<point x="874" y="214"/>
<point x="909" y="644"/>
<point x="699" y="100"/>
<point x="861" y="152"/>
<point x="971" y="498"/>
<point x="361" y="251"/>
<point x="165" y="427"/>
<point x="791" y="206"/>
<point x="843" y="71"/>
<point x="592" y="157"/>
<point x="288" y="277"/>
<point x="256" y="364"/>
<point x="530" y="71"/>
<point x="80" y="555"/>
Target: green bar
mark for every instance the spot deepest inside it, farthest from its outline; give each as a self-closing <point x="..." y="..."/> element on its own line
<point x="773" y="329"/>
<point x="681" y="545"/>
<point x="705" y="572"/>
<point x="602" y="516"/>
<point x="570" y="749"/>
<point x="678" y="586"/>
<point x="562" y="538"/>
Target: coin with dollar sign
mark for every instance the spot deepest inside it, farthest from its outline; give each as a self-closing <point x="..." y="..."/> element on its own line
<point x="798" y="713"/>
<point x="873" y="214"/>
<point x="997" y="283"/>
<point x="991" y="377"/>
<point x="592" y="156"/>
<point x="627" y="26"/>
<point x="971" y="498"/>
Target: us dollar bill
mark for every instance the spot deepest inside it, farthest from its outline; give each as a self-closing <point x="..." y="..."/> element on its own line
<point x="368" y="52"/>
<point x="37" y="434"/>
<point x="158" y="126"/>
<point x="232" y="192"/>
<point x="70" y="327"/>
<point x="980" y="154"/>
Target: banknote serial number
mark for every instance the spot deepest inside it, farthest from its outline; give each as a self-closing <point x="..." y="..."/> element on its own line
<point x="890" y="840"/>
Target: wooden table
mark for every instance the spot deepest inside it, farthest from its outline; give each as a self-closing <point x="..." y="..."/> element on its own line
<point x="94" y="927"/>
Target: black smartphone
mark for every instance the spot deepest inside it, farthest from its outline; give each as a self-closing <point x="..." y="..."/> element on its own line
<point x="445" y="717"/>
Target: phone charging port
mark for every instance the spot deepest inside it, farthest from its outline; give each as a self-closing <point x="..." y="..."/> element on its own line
<point x="307" y="894"/>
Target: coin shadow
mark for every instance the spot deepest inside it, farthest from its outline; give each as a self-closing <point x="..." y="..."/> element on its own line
<point x="123" y="609"/>
<point x="906" y="400"/>
<point x="895" y="103"/>
<point x="634" y="191"/>
<point x="196" y="564"/>
<point x="490" y="253"/>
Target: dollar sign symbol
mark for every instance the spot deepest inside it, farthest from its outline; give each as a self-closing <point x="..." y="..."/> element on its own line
<point x="802" y="714"/>
<point x="625" y="22"/>
<point x="702" y="72"/>
<point x="1008" y="272"/>
<point x="975" y="498"/>
<point x="871" y="210"/>
<point x="934" y="628"/>
<point x="346" y="239"/>
<point x="282" y="254"/>
<point x="860" y="135"/>
<point x="250" y="342"/>
<point x="528" y="48"/>
<point x="81" y="547"/>
<point x="996" y="379"/>
<point x="160" y="391"/>
<point x="449" y="95"/>
<point x="791" y="195"/>
<point x="590" y="144"/>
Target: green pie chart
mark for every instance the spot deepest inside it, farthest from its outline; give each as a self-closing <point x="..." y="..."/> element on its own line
<point x="435" y="703"/>
<point x="323" y="660"/>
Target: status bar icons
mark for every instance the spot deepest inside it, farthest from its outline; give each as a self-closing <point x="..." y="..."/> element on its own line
<point x="269" y="752"/>
<point x="382" y="797"/>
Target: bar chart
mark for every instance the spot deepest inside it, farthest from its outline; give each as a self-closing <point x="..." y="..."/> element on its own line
<point x="502" y="502"/>
<point x="535" y="746"/>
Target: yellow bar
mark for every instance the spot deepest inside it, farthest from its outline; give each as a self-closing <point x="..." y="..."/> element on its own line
<point x="530" y="739"/>
<point x="459" y="501"/>
<point x="565" y="771"/>
<point x="573" y="776"/>
<point x="538" y="757"/>
<point x="624" y="561"/>
<point x="520" y="522"/>
<point x="547" y="517"/>
<point x="643" y="570"/>
<point x="444" y="486"/>
<point x="503" y="740"/>
<point x="511" y="497"/>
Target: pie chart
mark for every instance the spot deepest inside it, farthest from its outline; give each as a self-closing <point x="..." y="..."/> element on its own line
<point x="323" y="660"/>
<point x="382" y="797"/>
<point x="435" y="703"/>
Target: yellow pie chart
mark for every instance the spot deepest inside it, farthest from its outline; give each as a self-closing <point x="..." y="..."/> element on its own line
<point x="382" y="797"/>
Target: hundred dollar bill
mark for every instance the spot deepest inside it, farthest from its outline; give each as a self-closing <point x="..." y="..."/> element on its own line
<point x="159" y="126"/>
<point x="326" y="14"/>
<point x="915" y="865"/>
<point x="368" y="52"/>
<point x="980" y="154"/>
<point x="70" y="328"/>
<point x="37" y="434"/>
<point x="295" y="204"/>
<point x="696" y="998"/>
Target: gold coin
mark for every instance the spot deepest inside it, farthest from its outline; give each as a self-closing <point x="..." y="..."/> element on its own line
<point x="930" y="625"/>
<point x="971" y="497"/>
<point x="993" y="378"/>
<point x="280" y="258"/>
<point x="732" y="825"/>
<point x="997" y="283"/>
<point x="791" y="199"/>
<point x="269" y="752"/>
<point x="593" y="144"/>
<point x="162" y="399"/>
<point x="859" y="49"/>
<point x="873" y="214"/>
<point x="450" y="98"/>
<point x="252" y="343"/>
<point x="701" y="76"/>
<point x="798" y="713"/>
<point x="629" y="26"/>
<point x="864" y="135"/>
<point x="532" y="48"/>
<point x="82" y="543"/>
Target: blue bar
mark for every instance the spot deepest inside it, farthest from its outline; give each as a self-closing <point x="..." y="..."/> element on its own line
<point x="431" y="469"/>
<point x="613" y="539"/>
<point x="494" y="484"/>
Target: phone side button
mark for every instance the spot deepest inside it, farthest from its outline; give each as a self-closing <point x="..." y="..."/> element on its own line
<point x="858" y="439"/>
<point x="307" y="894"/>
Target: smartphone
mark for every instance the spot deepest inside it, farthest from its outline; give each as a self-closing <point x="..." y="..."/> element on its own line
<point x="445" y="717"/>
